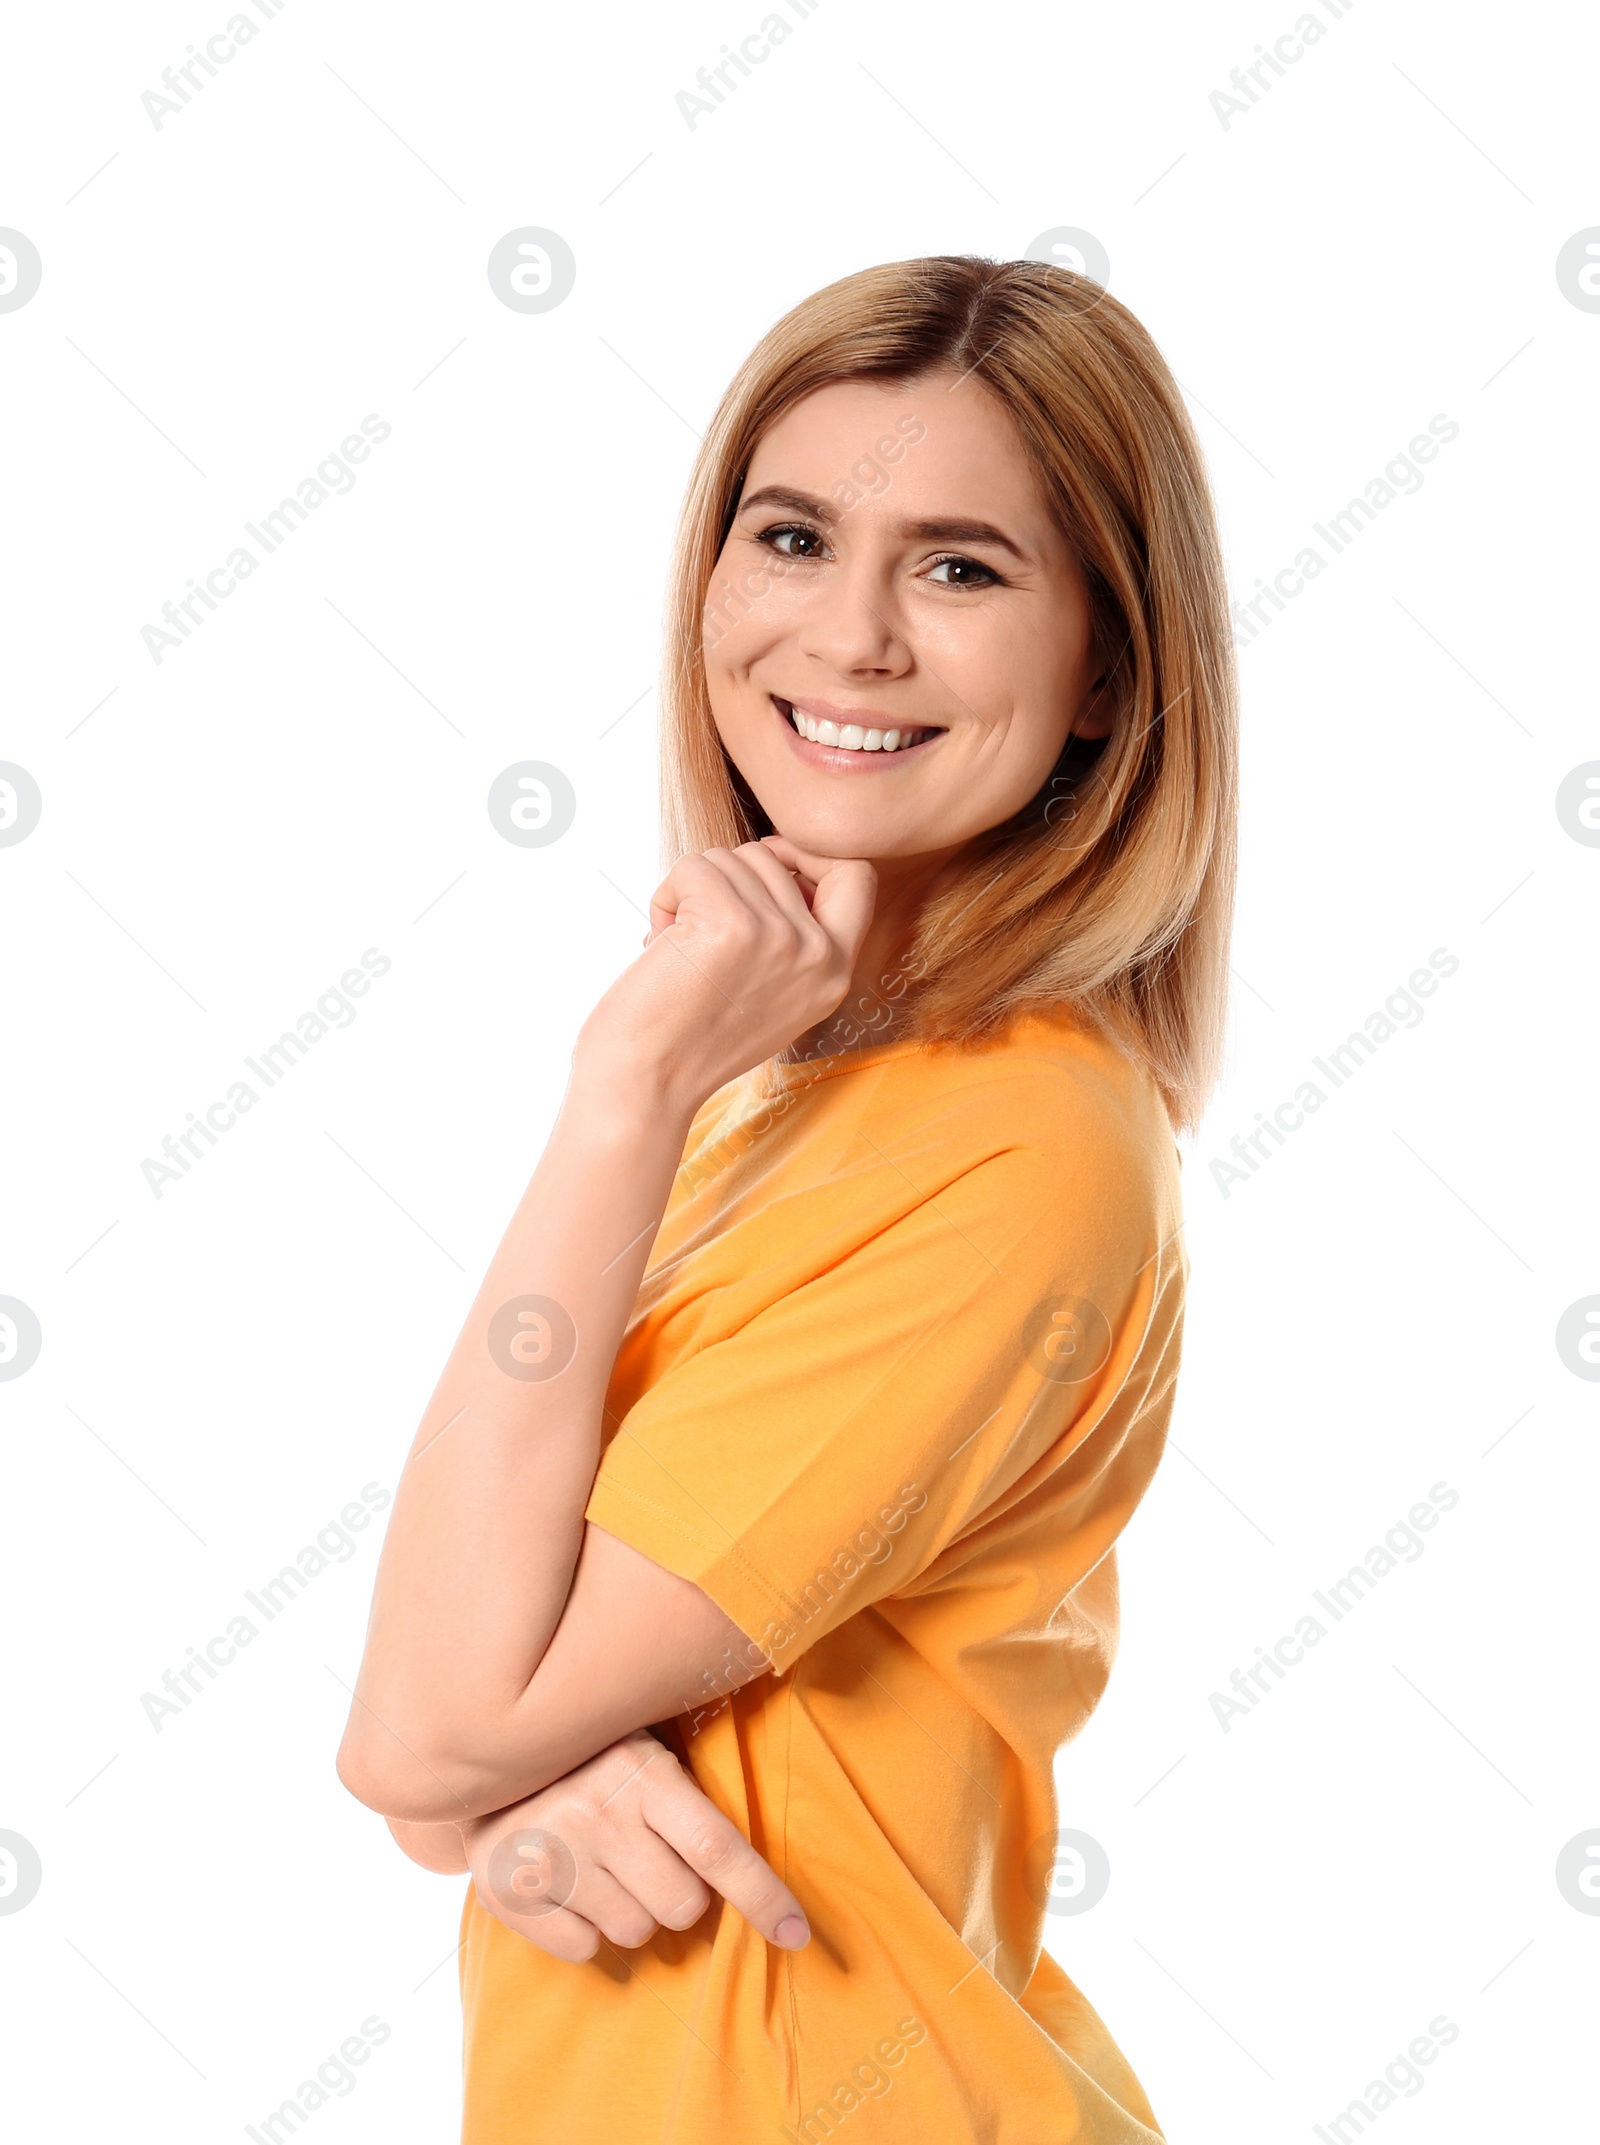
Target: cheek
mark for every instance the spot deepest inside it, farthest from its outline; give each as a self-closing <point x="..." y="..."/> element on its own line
<point x="995" y="656"/>
<point x="738" y="711"/>
<point x="1021" y="688"/>
<point x="729" y="658"/>
<point x="1041" y="674"/>
<point x="739" y="613"/>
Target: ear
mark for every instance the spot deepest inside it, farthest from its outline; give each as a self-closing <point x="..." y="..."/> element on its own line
<point x="1098" y="712"/>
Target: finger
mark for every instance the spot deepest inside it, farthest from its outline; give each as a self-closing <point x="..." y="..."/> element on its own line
<point x="810" y="863"/>
<point x="782" y="883"/>
<point x="846" y="891"/>
<point x="613" y="1908"/>
<point x="718" y="1853"/>
<point x="562" y="1933"/>
<point x="657" y="1877"/>
<point x="692" y="871"/>
<point x="756" y="880"/>
<point x="789" y="857"/>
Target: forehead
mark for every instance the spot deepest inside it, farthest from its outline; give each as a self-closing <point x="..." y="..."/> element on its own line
<point x="946" y="444"/>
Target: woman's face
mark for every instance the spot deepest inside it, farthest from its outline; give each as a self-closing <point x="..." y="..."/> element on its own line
<point x="897" y="635"/>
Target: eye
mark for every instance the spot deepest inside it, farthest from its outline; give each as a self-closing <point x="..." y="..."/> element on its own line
<point x="963" y="567"/>
<point x="774" y="539"/>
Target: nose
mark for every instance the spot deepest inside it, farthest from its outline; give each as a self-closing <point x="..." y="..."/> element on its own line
<point x="850" y="626"/>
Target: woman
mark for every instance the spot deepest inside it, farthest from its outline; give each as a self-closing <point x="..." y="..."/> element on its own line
<point x="755" y="1553"/>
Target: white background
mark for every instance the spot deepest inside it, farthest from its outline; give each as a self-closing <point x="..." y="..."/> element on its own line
<point x="223" y="1368"/>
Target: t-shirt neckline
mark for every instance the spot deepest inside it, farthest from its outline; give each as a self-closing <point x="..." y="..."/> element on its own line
<point x="801" y="1072"/>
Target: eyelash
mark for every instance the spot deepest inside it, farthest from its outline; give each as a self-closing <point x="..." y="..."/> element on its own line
<point x="945" y="558"/>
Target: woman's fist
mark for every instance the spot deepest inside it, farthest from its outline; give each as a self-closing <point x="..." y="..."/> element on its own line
<point x="748" y="948"/>
<point x="626" y="1844"/>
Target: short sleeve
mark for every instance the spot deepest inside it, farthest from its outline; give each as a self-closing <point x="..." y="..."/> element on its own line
<point x="824" y="1454"/>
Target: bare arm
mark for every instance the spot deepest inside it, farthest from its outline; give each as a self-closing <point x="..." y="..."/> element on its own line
<point x="509" y="1640"/>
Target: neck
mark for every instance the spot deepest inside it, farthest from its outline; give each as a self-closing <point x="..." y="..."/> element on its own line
<point x="873" y="1009"/>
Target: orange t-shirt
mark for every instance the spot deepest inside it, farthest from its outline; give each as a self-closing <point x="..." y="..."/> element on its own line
<point x="899" y="1371"/>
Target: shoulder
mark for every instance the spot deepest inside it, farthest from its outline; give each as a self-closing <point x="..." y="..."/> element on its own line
<point x="1047" y="1089"/>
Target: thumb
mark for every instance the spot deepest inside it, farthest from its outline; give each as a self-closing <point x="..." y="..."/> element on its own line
<point x="844" y="901"/>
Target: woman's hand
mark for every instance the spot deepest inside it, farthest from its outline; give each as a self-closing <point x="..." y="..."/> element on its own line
<point x="625" y="1844"/>
<point x="748" y="948"/>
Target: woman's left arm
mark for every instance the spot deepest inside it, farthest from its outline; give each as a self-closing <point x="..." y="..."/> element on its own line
<point x="509" y="1639"/>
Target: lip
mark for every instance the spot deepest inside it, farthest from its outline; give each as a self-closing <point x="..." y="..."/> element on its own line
<point x="831" y="756"/>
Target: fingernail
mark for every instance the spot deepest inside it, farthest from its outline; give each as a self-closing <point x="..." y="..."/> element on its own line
<point x="792" y="1932"/>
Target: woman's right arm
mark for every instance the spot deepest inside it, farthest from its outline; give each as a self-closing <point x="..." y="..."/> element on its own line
<point x="436" y="1847"/>
<point x="511" y="1639"/>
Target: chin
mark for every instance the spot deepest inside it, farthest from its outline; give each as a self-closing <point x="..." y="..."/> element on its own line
<point x="831" y="838"/>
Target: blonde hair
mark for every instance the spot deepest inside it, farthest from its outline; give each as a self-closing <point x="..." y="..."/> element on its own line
<point x="1110" y="895"/>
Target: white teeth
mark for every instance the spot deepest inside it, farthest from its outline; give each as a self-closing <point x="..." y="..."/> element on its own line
<point x="852" y="737"/>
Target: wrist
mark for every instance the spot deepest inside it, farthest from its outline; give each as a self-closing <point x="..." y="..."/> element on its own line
<point x="632" y="1088"/>
<point x="479" y="1833"/>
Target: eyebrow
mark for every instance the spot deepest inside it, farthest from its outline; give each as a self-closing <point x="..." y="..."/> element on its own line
<point x="936" y="530"/>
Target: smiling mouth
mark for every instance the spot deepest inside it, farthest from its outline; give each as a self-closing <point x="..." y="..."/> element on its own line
<point x="852" y="736"/>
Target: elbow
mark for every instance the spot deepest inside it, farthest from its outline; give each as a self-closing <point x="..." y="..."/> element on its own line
<point x="396" y="1783"/>
<point x="419" y="1782"/>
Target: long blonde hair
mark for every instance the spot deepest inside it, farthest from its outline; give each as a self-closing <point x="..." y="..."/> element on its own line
<point x="1110" y="895"/>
